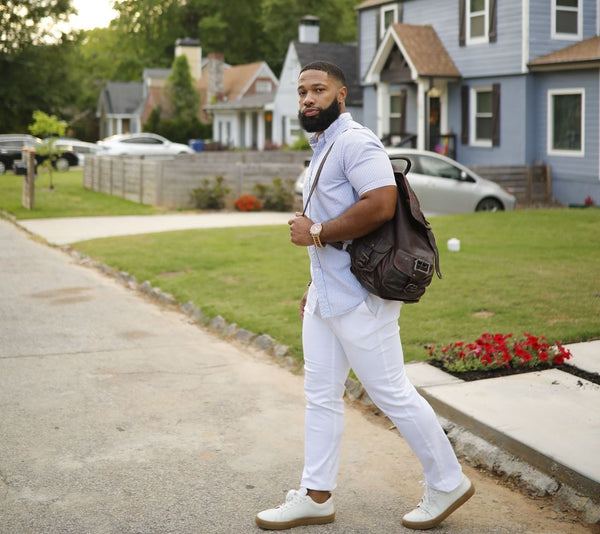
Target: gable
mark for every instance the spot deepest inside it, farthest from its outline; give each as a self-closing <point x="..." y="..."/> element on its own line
<point x="411" y="48"/>
<point x="122" y="98"/>
<point x="344" y="56"/>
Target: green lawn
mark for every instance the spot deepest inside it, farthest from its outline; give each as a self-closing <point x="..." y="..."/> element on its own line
<point x="534" y="271"/>
<point x="67" y="199"/>
<point x="527" y="271"/>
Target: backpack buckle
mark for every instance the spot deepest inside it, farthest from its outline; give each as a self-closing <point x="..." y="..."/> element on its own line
<point x="422" y="266"/>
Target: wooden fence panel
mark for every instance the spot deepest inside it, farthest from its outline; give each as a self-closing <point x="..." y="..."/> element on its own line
<point x="531" y="184"/>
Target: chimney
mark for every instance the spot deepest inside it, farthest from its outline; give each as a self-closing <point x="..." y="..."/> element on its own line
<point x="191" y="49"/>
<point x="308" y="32"/>
<point x="214" y="81"/>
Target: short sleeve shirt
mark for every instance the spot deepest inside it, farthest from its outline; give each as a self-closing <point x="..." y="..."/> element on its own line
<point x="356" y="164"/>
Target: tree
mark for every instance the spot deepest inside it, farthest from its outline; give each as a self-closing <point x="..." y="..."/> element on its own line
<point x="180" y="90"/>
<point x="28" y="22"/>
<point x="47" y="126"/>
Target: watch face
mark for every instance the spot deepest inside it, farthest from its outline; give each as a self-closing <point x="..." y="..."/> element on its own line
<point x="315" y="229"/>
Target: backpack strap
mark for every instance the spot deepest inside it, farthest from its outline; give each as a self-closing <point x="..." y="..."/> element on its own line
<point x="314" y="184"/>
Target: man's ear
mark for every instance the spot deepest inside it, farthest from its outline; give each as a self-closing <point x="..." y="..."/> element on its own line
<point x="342" y="94"/>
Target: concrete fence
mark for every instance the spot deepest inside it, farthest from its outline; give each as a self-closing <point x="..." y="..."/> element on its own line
<point x="169" y="182"/>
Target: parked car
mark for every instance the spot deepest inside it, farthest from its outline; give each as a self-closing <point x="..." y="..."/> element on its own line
<point x="445" y="186"/>
<point x="11" y="149"/>
<point x="78" y="147"/>
<point x="142" y="144"/>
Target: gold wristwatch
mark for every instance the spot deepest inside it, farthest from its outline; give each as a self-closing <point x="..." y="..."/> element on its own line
<point x="315" y="232"/>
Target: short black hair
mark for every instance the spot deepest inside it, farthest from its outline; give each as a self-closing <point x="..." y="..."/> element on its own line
<point x="331" y="69"/>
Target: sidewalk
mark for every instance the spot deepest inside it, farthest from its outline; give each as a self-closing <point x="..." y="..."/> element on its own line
<point x="121" y="416"/>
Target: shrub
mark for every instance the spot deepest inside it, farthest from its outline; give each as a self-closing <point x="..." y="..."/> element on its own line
<point x="499" y="351"/>
<point x="210" y="196"/>
<point x="247" y="203"/>
<point x="279" y="196"/>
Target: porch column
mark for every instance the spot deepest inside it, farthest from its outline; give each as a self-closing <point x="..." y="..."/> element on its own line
<point x="248" y="130"/>
<point x="422" y="114"/>
<point x="382" y="105"/>
<point x="260" y="142"/>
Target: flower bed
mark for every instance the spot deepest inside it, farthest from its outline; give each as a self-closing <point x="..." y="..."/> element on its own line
<point x="498" y="354"/>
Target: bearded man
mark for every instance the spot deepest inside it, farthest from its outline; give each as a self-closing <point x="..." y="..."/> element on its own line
<point x="344" y="326"/>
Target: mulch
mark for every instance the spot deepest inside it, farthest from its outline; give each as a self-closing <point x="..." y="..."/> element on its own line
<point x="469" y="376"/>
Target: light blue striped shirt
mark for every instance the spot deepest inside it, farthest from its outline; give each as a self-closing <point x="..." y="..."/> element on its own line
<point x="356" y="164"/>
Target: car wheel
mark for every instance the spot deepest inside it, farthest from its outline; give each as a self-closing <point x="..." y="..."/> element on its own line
<point x="62" y="164"/>
<point x="489" y="204"/>
<point x="2" y="168"/>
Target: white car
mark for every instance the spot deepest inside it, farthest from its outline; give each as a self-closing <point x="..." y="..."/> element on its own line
<point x="79" y="148"/>
<point x="445" y="186"/>
<point x="141" y="144"/>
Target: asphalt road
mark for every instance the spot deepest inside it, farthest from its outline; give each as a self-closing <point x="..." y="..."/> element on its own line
<point x="118" y="416"/>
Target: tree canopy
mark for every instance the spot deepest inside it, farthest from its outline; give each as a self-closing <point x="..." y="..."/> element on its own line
<point x="62" y="73"/>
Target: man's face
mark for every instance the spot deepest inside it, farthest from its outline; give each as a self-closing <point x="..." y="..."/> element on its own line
<point x="321" y="100"/>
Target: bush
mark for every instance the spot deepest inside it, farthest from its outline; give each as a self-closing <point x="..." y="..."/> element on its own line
<point x="301" y="144"/>
<point x="279" y="196"/>
<point x="210" y="196"/>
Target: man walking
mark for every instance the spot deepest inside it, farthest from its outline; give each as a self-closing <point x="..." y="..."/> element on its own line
<point x="344" y="326"/>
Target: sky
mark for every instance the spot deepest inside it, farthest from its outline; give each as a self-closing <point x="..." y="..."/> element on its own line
<point x="92" y="14"/>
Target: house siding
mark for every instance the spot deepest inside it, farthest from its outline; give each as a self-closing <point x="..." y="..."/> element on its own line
<point x="573" y="177"/>
<point x="367" y="31"/>
<point x="485" y="59"/>
<point x="514" y="138"/>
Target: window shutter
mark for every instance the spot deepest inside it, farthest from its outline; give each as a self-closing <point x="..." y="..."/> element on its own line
<point x="496" y="114"/>
<point x="493" y="30"/>
<point x="378" y="23"/>
<point x="462" y="23"/>
<point x="464" y="131"/>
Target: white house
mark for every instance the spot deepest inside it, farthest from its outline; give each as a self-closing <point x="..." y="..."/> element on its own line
<point x="286" y="127"/>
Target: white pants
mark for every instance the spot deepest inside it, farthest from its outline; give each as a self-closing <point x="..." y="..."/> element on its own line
<point x="367" y="339"/>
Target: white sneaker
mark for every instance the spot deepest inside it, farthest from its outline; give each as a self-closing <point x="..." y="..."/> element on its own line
<point x="435" y="506"/>
<point x="298" y="509"/>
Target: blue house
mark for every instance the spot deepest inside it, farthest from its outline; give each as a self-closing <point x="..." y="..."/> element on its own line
<point x="511" y="82"/>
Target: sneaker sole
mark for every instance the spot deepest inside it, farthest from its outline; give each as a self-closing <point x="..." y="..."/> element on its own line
<point x="424" y="525"/>
<point x="301" y="521"/>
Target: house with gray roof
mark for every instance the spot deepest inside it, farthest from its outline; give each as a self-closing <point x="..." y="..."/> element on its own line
<point x="119" y="108"/>
<point x="286" y="127"/>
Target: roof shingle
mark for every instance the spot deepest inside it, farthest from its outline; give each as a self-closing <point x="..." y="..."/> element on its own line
<point x="587" y="51"/>
<point x="426" y="51"/>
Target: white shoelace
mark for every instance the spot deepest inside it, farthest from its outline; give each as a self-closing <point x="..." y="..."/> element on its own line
<point x="292" y="497"/>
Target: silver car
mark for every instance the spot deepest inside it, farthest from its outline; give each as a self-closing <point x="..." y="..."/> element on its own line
<point x="445" y="186"/>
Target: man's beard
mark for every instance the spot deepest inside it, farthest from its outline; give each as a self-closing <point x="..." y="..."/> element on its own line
<point x="321" y="121"/>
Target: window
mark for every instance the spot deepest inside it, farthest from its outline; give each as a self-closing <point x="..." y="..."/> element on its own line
<point x="477" y="21"/>
<point x="566" y="19"/>
<point x="477" y="14"/>
<point x="263" y="86"/>
<point x="481" y="116"/>
<point x="388" y="15"/>
<point x="566" y="122"/>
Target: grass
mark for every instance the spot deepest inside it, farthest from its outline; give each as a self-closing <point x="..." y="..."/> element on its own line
<point x="67" y="199"/>
<point x="526" y="271"/>
<point x="531" y="271"/>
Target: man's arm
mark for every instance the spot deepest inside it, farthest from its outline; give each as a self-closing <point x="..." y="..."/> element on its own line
<point x="373" y="208"/>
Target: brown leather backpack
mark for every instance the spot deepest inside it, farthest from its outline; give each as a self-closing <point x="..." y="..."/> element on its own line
<point x="397" y="261"/>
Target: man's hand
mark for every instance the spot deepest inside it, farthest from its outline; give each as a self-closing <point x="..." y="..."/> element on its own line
<point x="300" y="230"/>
